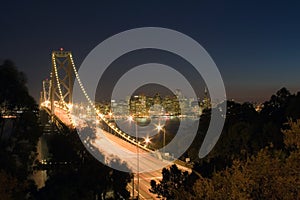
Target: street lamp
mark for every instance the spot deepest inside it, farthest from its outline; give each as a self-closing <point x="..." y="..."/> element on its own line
<point x="138" y="160"/>
<point x="110" y="115"/>
<point x="147" y="140"/>
<point x="130" y="119"/>
<point x="161" y="128"/>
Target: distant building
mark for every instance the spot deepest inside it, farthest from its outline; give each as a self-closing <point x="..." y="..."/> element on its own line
<point x="206" y="103"/>
<point x="141" y="105"/>
<point x="120" y="108"/>
<point x="138" y="106"/>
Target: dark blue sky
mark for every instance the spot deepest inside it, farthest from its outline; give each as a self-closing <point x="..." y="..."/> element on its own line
<point x="255" y="44"/>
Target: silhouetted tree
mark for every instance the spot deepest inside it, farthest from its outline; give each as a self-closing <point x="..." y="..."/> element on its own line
<point x="175" y="184"/>
<point x="18" y="148"/>
<point x="13" y="90"/>
<point x="83" y="177"/>
<point x="269" y="174"/>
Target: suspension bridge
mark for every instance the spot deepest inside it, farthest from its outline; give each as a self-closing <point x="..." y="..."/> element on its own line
<point x="56" y="100"/>
<point x="56" y="97"/>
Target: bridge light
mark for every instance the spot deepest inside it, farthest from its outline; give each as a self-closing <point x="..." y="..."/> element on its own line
<point x="47" y="103"/>
<point x="159" y="127"/>
<point x="70" y="106"/>
<point x="130" y="118"/>
<point x="147" y="140"/>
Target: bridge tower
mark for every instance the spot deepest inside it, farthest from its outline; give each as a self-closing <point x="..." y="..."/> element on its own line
<point x="46" y="90"/>
<point x="61" y="79"/>
<point x="45" y="93"/>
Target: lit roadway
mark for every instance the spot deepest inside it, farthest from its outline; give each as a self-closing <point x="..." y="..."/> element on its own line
<point x="146" y="163"/>
<point x="113" y="147"/>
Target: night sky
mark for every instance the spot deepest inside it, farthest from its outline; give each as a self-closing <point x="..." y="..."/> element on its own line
<point x="255" y="45"/>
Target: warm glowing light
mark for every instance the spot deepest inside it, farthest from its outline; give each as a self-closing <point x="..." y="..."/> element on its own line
<point x="64" y="106"/>
<point x="159" y="127"/>
<point x="130" y="118"/>
<point x="9" y="116"/>
<point x="147" y="140"/>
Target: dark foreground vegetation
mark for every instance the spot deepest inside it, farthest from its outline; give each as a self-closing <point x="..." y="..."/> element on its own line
<point x="21" y="126"/>
<point x="256" y="157"/>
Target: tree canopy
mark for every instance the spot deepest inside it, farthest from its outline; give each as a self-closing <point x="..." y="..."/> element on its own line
<point x="256" y="157"/>
<point x="18" y="136"/>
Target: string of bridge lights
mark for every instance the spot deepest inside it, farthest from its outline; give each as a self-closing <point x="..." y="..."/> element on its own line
<point x="100" y="115"/>
<point x="66" y="106"/>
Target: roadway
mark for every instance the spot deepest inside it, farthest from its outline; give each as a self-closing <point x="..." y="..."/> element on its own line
<point x="114" y="148"/>
<point x="147" y="165"/>
<point x="148" y="168"/>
